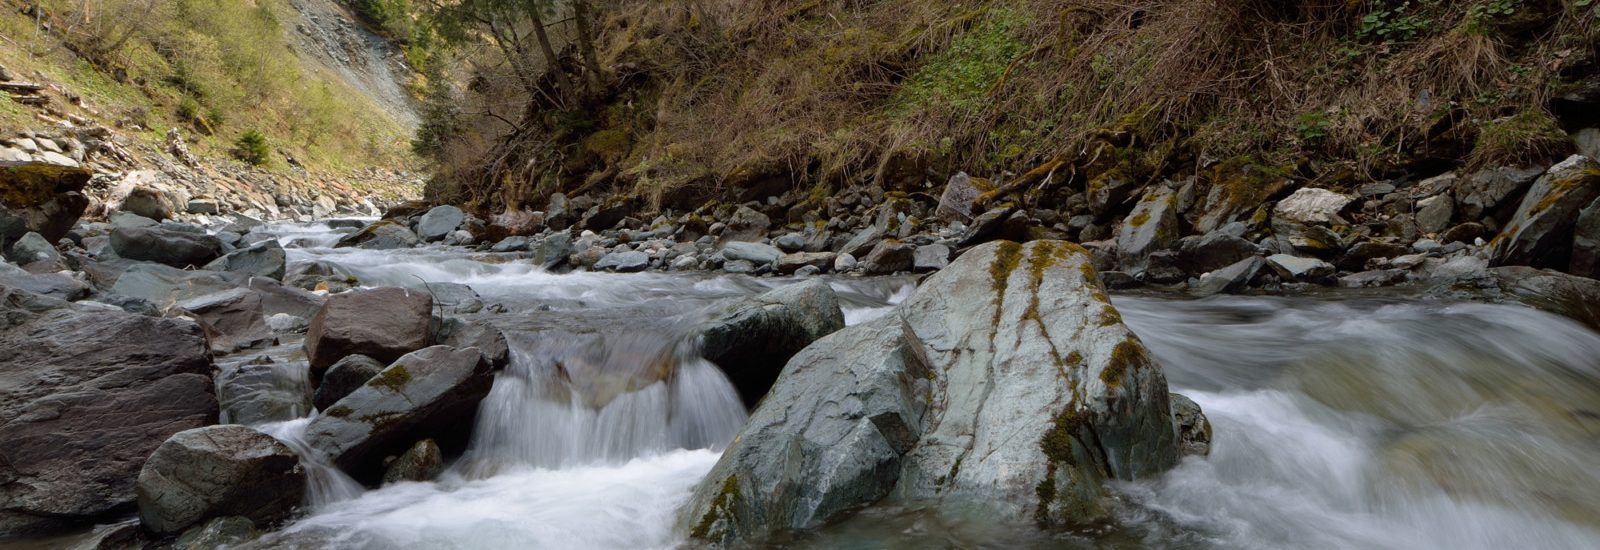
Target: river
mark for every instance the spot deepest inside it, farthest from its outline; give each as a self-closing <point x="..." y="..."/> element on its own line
<point x="1338" y="423"/>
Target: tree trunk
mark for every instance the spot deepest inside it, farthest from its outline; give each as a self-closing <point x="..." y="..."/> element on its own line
<point x="591" y="67"/>
<point x="553" y="63"/>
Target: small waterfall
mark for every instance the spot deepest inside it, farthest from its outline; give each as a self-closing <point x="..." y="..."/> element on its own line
<point x="325" y="483"/>
<point x="575" y="400"/>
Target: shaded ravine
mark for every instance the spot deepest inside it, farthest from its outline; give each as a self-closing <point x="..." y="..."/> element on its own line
<point x="1337" y="424"/>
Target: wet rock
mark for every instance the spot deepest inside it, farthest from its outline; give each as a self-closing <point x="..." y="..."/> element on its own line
<point x="1215" y="250"/>
<point x="260" y="391"/>
<point x="791" y="263"/>
<point x="739" y="267"/>
<point x="1295" y="268"/>
<point x="746" y="224"/>
<point x="455" y="297"/>
<point x="165" y="246"/>
<point x="1152" y="225"/>
<point x="40" y="198"/>
<point x="422" y="462"/>
<point x="55" y="285"/>
<point x="514" y="243"/>
<point x="750" y="340"/>
<point x="430" y="393"/>
<point x="1230" y="278"/>
<point x="1358" y="256"/>
<point x="627" y="261"/>
<point x="349" y="373"/>
<point x="931" y="257"/>
<point x="439" y="221"/>
<point x="1465" y="233"/>
<point x="219" y="471"/>
<point x="1435" y="213"/>
<point x="1117" y="280"/>
<point x="1020" y="401"/>
<point x="1487" y="191"/>
<point x="1194" y="430"/>
<point x="32" y="248"/>
<point x="790" y="242"/>
<point x="1577" y="298"/>
<point x="381" y="235"/>
<point x="150" y="203"/>
<point x="318" y="273"/>
<point x="554" y="250"/>
<point x="384" y="323"/>
<point x="755" y="253"/>
<point x="889" y="256"/>
<point x="265" y="259"/>
<point x="87" y="397"/>
<point x="217" y="534"/>
<point x="1374" y="278"/>
<point x="844" y="263"/>
<point x="459" y="333"/>
<point x="606" y="216"/>
<point x="986" y="227"/>
<point x="1541" y="232"/>
<point x="231" y="319"/>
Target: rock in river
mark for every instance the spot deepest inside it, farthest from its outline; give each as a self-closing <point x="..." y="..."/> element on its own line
<point x="384" y="323"/>
<point x="752" y="339"/>
<point x="219" y="471"/>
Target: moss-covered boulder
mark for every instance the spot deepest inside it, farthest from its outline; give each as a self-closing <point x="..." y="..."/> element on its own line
<point x="1007" y="386"/>
<point x="43" y="198"/>
<point x="1541" y="232"/>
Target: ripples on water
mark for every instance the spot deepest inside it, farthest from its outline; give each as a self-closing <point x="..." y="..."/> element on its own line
<point x="1362" y="424"/>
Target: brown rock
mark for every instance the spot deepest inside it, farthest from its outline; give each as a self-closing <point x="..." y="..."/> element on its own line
<point x="383" y="323"/>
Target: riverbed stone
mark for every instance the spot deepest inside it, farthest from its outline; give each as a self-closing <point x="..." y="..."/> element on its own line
<point x="755" y="253"/>
<point x="1153" y="225"/>
<point x="383" y="323"/>
<point x="862" y="242"/>
<point x="889" y="256"/>
<point x="1230" y="278"/>
<point x="1540" y="234"/>
<point x="166" y="246"/>
<point x="87" y="396"/>
<point x="1586" y="242"/>
<point x="750" y="340"/>
<point x="264" y="259"/>
<point x="931" y="257"/>
<point x="231" y="319"/>
<point x="430" y="393"/>
<point x="1485" y="192"/>
<point x="746" y="224"/>
<point x="261" y="391"/>
<point x="624" y="261"/>
<point x="439" y="221"/>
<point x="1194" y="430"/>
<point x="1435" y="213"/>
<point x="219" y="471"/>
<point x="349" y="373"/>
<point x="422" y="462"/>
<point x="1312" y="205"/>
<point x="216" y="534"/>
<point x="1296" y="268"/>
<point x="794" y="262"/>
<point x="381" y="235"/>
<point x="32" y="248"/>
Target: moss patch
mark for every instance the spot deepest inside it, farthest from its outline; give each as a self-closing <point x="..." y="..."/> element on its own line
<point x="724" y="498"/>
<point x="338" y="411"/>
<point x="1124" y="357"/>
<point x="394" y="378"/>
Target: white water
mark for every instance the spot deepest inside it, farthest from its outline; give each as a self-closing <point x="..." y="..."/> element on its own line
<point x="1336" y="425"/>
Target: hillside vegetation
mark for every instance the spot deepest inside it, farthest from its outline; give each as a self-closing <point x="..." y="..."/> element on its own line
<point x="736" y="99"/>
<point x="225" y="72"/>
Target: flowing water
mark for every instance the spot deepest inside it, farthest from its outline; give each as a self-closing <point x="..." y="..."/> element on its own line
<point x="1337" y="423"/>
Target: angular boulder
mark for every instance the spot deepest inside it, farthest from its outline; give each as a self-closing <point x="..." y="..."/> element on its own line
<point x="232" y="319"/>
<point x="165" y="246"/>
<point x="260" y="391"/>
<point x="422" y="462"/>
<point x="1586" y="243"/>
<point x="381" y="235"/>
<point x="1152" y="226"/>
<point x="792" y="262"/>
<point x="43" y="198"/>
<point x="746" y="224"/>
<point x="1296" y="268"/>
<point x="344" y="377"/>
<point x="890" y="256"/>
<point x="752" y="339"/>
<point x="431" y="393"/>
<point x="1485" y="192"/>
<point x="264" y="259"/>
<point x="1540" y="234"/>
<point x="384" y="323"/>
<point x="219" y="471"/>
<point x="626" y="261"/>
<point x="1006" y="386"/>
<point x="84" y="399"/>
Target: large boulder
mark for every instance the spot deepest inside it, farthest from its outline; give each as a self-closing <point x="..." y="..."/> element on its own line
<point x="166" y="246"/>
<point x="264" y="259"/>
<point x="1540" y="234"/>
<point x="261" y="391"/>
<point x="85" y="397"/>
<point x="219" y="471"/>
<point x="383" y="323"/>
<point x="1152" y="226"/>
<point x="1484" y="193"/>
<point x="752" y="339"/>
<point x="1006" y="386"/>
<point x="43" y="198"/>
<point x="439" y="221"/>
<point x="431" y="393"/>
<point x="232" y="319"/>
<point x="381" y="235"/>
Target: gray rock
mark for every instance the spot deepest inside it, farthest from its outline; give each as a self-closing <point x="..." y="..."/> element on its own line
<point x="55" y="285"/>
<point x="40" y="198"/>
<point x="1020" y="401"/>
<point x="231" y="319"/>
<point x="87" y="397"/>
<point x="514" y="243"/>
<point x="807" y="271"/>
<point x="889" y="256"/>
<point x="1230" y="278"/>
<point x="755" y="253"/>
<point x="750" y="340"/>
<point x="1312" y="206"/>
<point x="1220" y="248"/>
<point x="986" y="227"/>
<point x="217" y="534"/>
<point x="1295" y="268"/>
<point x="422" y="462"/>
<point x="794" y="262"/>
<point x="459" y="333"/>
<point x="439" y="221"/>
<point x="739" y="267"/>
<point x="431" y="393"/>
<point x="131" y="220"/>
<point x="349" y="373"/>
<point x="264" y="259"/>
<point x="1357" y="257"/>
<point x="32" y="248"/>
<point x="316" y="273"/>
<point x="554" y="250"/>
<point x="165" y="246"/>
<point x="381" y="235"/>
<point x="1586" y="242"/>
<point x="932" y="257"/>
<point x="1194" y="429"/>
<point x="1374" y="278"/>
<point x="150" y="203"/>
<point x="1435" y="213"/>
<point x="1588" y="142"/>
<point x="1426" y="245"/>
<point x="1541" y="232"/>
<point x="685" y="262"/>
<point x="204" y="206"/>
<point x="790" y="242"/>
<point x="219" y="471"/>
<point x="746" y="224"/>
<point x="384" y="323"/>
<point x="844" y="263"/>
<point x="259" y="392"/>
<point x="1153" y="225"/>
<point x="862" y="243"/>
<point x="455" y="298"/>
<point x="627" y="261"/>
<point x="1485" y="192"/>
<point x="958" y="198"/>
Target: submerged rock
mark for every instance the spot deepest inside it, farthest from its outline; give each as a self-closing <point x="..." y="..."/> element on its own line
<point x="219" y="471"/>
<point x="1006" y="385"/>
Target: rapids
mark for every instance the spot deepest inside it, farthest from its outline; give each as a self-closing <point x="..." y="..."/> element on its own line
<point x="1338" y="423"/>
